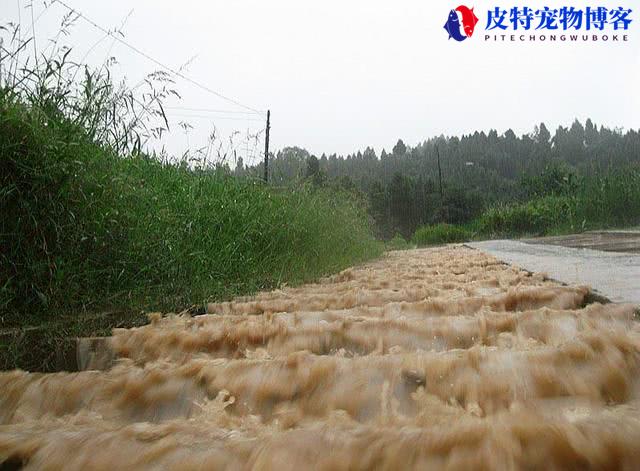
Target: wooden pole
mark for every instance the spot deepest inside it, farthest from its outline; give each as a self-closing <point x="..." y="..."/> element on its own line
<point x="266" y="148"/>
<point x="440" y="175"/>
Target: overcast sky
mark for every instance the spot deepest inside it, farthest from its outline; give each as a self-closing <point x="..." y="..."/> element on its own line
<point x="340" y="75"/>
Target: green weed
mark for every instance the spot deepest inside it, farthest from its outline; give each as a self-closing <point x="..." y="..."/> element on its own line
<point x="92" y="222"/>
<point x="440" y="234"/>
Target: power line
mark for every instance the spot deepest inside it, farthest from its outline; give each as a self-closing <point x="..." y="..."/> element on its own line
<point x="213" y="118"/>
<point x="206" y="110"/>
<point x="157" y="62"/>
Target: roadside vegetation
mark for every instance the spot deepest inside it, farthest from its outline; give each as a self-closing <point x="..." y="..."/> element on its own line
<point x="577" y="178"/>
<point x="86" y="229"/>
<point x="92" y="222"/>
<point x="558" y="206"/>
<point x="439" y="234"/>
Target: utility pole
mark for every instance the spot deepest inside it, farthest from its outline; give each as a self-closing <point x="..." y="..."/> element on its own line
<point x="266" y="148"/>
<point x="439" y="175"/>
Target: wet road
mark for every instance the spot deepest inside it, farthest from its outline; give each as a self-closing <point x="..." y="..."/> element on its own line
<point x="627" y="240"/>
<point x="614" y="275"/>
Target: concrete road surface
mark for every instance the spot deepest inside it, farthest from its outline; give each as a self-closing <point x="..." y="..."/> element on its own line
<point x="627" y="240"/>
<point x="613" y="275"/>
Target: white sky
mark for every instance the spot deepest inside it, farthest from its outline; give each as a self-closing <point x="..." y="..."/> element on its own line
<point x="340" y="75"/>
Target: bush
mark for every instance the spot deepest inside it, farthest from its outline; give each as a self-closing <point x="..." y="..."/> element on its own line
<point x="610" y="200"/>
<point x="556" y="179"/>
<point x="440" y="234"/>
<point x="397" y="243"/>
<point x="601" y="201"/>
<point x="535" y="217"/>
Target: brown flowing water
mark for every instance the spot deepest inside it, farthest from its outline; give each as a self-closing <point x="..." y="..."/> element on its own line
<point x="432" y="359"/>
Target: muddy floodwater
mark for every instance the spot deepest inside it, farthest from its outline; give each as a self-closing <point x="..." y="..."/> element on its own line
<point x="426" y="359"/>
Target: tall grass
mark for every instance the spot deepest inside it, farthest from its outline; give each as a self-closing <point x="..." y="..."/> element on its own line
<point x="608" y="200"/>
<point x="90" y="221"/>
<point x="535" y="217"/>
<point x="440" y="234"/>
<point x="601" y="201"/>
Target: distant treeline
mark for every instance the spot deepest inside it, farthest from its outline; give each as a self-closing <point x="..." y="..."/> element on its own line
<point x="479" y="171"/>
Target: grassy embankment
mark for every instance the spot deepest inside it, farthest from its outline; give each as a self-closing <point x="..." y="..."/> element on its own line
<point x="91" y="224"/>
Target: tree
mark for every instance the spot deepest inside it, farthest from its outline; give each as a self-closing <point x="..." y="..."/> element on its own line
<point x="577" y="133"/>
<point x="369" y="154"/>
<point x="380" y="210"/>
<point x="590" y="133"/>
<point x="542" y="134"/>
<point x="239" y="167"/>
<point x="556" y="179"/>
<point x="399" y="149"/>
<point x="401" y="199"/>
<point x="313" y="171"/>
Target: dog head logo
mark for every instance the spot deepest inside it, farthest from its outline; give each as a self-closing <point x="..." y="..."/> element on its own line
<point x="461" y="23"/>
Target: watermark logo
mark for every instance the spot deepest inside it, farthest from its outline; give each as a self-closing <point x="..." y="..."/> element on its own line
<point x="566" y="23"/>
<point x="461" y="23"/>
<point x="559" y="19"/>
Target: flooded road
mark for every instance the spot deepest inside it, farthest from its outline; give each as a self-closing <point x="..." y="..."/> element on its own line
<point x="439" y="358"/>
